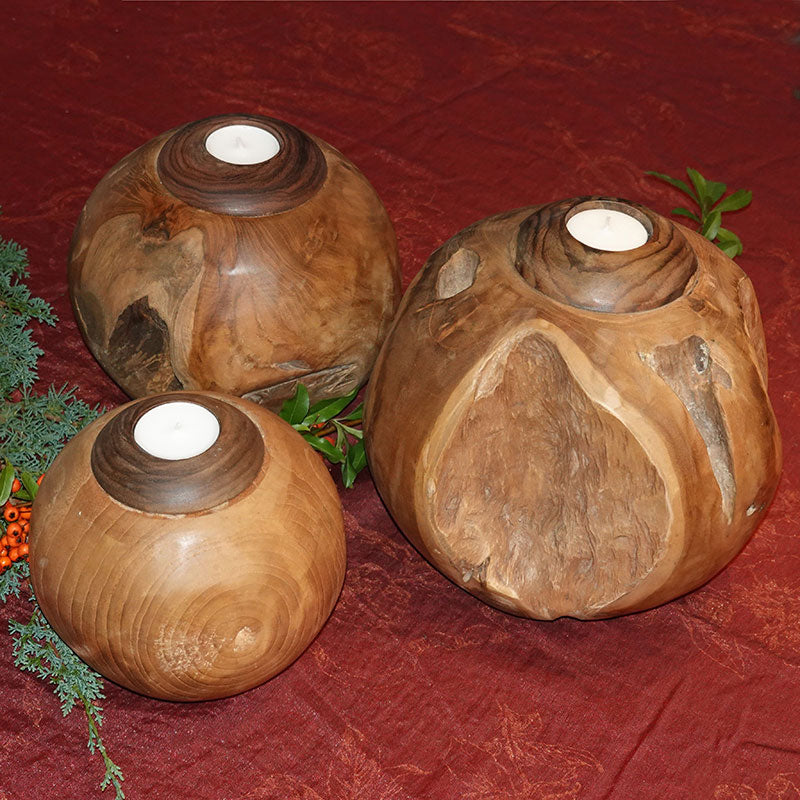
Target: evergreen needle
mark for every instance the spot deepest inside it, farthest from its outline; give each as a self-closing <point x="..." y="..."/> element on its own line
<point x="33" y="429"/>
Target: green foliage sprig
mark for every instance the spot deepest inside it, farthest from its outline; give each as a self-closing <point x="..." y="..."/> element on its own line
<point x="38" y="649"/>
<point x="33" y="429"/>
<point x="708" y="197"/>
<point x="339" y="438"/>
<point x="17" y="308"/>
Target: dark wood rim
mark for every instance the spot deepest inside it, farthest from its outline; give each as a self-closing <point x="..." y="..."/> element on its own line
<point x="282" y="183"/>
<point x="134" y="477"/>
<point x="551" y="259"/>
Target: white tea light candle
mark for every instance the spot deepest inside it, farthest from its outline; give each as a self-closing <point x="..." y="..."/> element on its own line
<point x="242" y="144"/>
<point x="176" y="430"/>
<point x="607" y="229"/>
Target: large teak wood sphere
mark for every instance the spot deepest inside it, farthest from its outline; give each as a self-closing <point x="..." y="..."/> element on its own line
<point x="582" y="432"/>
<point x="187" y="271"/>
<point x="188" y="579"/>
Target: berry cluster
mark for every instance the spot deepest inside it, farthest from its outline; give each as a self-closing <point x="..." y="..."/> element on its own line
<point x="17" y="519"/>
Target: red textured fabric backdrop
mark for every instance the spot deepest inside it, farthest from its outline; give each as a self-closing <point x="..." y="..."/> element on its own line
<point x="456" y="111"/>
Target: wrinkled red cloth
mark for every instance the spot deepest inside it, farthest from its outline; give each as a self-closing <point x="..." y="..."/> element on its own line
<point x="415" y="689"/>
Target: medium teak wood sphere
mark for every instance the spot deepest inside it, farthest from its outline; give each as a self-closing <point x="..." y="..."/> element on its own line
<point x="582" y="432"/>
<point x="187" y="271"/>
<point x="190" y="579"/>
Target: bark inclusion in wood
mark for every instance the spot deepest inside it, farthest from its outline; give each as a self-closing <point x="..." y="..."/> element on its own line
<point x="140" y="344"/>
<point x="563" y="508"/>
<point x="688" y="369"/>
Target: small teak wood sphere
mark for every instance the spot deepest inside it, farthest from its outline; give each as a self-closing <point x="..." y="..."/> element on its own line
<point x="582" y="433"/>
<point x="188" y="579"/>
<point x="187" y="271"/>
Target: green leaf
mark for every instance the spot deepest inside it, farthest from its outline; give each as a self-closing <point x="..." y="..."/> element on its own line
<point x="325" y="447"/>
<point x="729" y="243"/>
<point x="715" y="191"/>
<point x="730" y="250"/>
<point x="354" y="462"/>
<point x="684" y="212"/>
<point x="29" y="482"/>
<point x="358" y="456"/>
<point x="711" y="225"/>
<point x="701" y="187"/>
<point x="294" y="410"/>
<point x="678" y="184"/>
<point x="6" y="479"/>
<point x="342" y="428"/>
<point x="326" y="409"/>
<point x="356" y="414"/>
<point x="733" y="202"/>
<point x="348" y="474"/>
<point x="341" y="437"/>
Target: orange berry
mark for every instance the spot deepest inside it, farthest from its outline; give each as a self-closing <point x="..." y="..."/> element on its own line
<point x="5" y="561"/>
<point x="39" y="480"/>
<point x="13" y="529"/>
<point x="13" y="554"/>
<point x="23" y="550"/>
<point x="10" y="513"/>
<point x="4" y="541"/>
<point x="16" y="485"/>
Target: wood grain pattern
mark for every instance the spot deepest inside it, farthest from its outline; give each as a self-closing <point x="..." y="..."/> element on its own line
<point x="194" y="605"/>
<point x="563" y="268"/>
<point x="282" y="183"/>
<point x="562" y="460"/>
<point x="169" y="295"/>
<point x="140" y="480"/>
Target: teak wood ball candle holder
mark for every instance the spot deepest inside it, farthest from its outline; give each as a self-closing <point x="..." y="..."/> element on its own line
<point x="188" y="578"/>
<point x="235" y="254"/>
<point x="582" y="433"/>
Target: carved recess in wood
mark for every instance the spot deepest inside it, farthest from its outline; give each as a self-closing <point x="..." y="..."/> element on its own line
<point x="561" y="508"/>
<point x="279" y="184"/>
<point x="140" y="347"/>
<point x="688" y="369"/>
<point x="457" y="273"/>
<point x="143" y="481"/>
<point x="563" y="268"/>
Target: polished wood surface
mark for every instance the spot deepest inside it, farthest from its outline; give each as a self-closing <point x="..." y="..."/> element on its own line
<point x="143" y="481"/>
<point x="279" y="184"/>
<point x="558" y="460"/>
<point x="193" y="605"/>
<point x="190" y="273"/>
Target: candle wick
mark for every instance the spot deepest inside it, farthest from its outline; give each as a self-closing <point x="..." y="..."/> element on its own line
<point x="239" y="143"/>
<point x="607" y="223"/>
